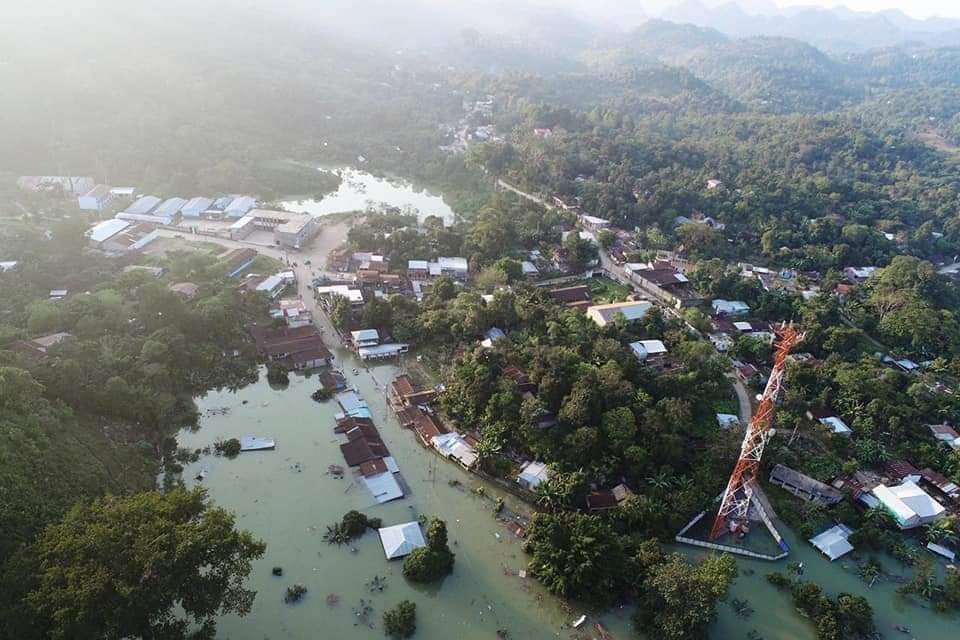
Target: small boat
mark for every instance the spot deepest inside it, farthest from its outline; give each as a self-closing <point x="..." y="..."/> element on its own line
<point x="901" y="628"/>
<point x="579" y="621"/>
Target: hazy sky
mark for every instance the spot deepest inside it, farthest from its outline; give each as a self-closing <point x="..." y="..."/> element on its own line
<point x="913" y="8"/>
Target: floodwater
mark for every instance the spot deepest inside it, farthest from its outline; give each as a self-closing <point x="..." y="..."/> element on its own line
<point x="359" y="190"/>
<point x="286" y="497"/>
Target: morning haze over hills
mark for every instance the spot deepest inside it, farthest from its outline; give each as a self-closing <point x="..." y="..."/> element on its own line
<point x="476" y="319"/>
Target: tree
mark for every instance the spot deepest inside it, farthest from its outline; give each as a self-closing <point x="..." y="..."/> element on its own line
<point x="164" y="565"/>
<point x="576" y="555"/>
<point x="401" y="621"/>
<point x="433" y="561"/>
<point x="679" y="598"/>
<point x="378" y="314"/>
<point x="341" y="313"/>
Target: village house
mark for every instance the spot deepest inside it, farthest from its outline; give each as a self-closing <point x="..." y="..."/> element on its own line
<point x="723" y="307"/>
<point x="652" y="353"/>
<point x="401" y="539"/>
<point x="326" y="293"/>
<point x="578" y="297"/>
<point x="804" y="487"/>
<point x="40" y="347"/>
<point x="830" y="420"/>
<point x="664" y="282"/>
<point x="833" y="543"/>
<point x="456" y="447"/>
<point x="186" y="290"/>
<point x="298" y="348"/>
<point x="532" y="474"/>
<point x="604" y="314"/>
<point x="593" y="223"/>
<point x="418" y="269"/>
<point x="945" y="434"/>
<point x="293" y="311"/>
<point x="365" y="338"/>
<point x="607" y="499"/>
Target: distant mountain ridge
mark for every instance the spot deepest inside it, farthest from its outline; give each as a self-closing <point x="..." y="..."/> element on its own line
<point x="839" y="29"/>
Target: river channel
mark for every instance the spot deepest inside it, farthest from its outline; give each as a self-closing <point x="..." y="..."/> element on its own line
<point x="359" y="190"/>
<point x="286" y="497"/>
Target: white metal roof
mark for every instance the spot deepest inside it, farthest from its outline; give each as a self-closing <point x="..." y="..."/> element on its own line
<point x="453" y="445"/>
<point x="833" y="542"/>
<point x="528" y="267"/>
<point x="727" y="420"/>
<point x="730" y="306"/>
<point x="170" y="207"/>
<point x="105" y="230"/>
<point x="400" y="539"/>
<point x="835" y="424"/>
<point x="645" y="348"/>
<point x="365" y="334"/>
<point x="533" y="473"/>
<point x="419" y="265"/>
<point x="594" y="219"/>
<point x="452" y="264"/>
<point x="910" y="504"/>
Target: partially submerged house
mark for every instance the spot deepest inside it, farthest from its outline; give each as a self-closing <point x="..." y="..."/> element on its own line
<point x="607" y="499"/>
<point x="401" y="539"/>
<point x="910" y="505"/>
<point x="455" y="446"/>
<point x="833" y="543"/>
<point x="804" y="486"/>
<point x="297" y="348"/>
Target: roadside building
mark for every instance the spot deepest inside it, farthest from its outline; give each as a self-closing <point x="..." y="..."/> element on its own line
<point x="604" y="314"/>
<point x="910" y="505"/>
<point x="401" y="539"/>
<point x="274" y="285"/>
<point x="529" y="269"/>
<point x="297" y="348"/>
<point x="593" y="223"/>
<point x="293" y="312"/>
<point x="97" y="199"/>
<point x="454" y="446"/>
<point x="664" y="282"/>
<point x="383" y="351"/>
<point x="365" y="338"/>
<point x="804" y="486"/>
<point x="326" y="294"/>
<point x="418" y="269"/>
<point x="195" y="207"/>
<point x="143" y="205"/>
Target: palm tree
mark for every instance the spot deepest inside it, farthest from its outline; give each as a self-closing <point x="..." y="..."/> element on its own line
<point x="941" y="532"/>
<point x="661" y="482"/>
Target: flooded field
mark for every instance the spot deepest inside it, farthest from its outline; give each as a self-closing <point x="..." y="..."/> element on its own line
<point x="287" y="498"/>
<point x="359" y="189"/>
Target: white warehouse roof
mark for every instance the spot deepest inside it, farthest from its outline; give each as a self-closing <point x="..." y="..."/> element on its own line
<point x="909" y="504"/>
<point x="103" y="231"/>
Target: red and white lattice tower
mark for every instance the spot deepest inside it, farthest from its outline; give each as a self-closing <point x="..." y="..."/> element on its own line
<point x="736" y="499"/>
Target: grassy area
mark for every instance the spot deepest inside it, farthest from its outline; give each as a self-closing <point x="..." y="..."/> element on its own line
<point x="605" y="290"/>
